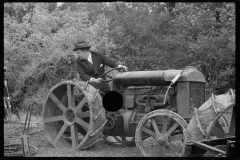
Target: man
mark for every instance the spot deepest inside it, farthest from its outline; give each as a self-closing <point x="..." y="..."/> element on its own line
<point x="9" y="104"/>
<point x="90" y="65"/>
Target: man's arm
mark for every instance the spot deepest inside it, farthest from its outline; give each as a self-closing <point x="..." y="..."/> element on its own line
<point x="82" y="73"/>
<point x="108" y="61"/>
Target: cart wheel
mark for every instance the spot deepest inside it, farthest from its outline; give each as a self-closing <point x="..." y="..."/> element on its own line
<point x="119" y="141"/>
<point x="210" y="154"/>
<point x="161" y="133"/>
<point x="220" y="131"/>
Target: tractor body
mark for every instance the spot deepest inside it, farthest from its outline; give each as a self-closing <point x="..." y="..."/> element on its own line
<point x="159" y="108"/>
<point x="144" y="91"/>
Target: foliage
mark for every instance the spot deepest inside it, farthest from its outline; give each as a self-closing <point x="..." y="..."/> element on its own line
<point x="39" y="37"/>
<point x="213" y="48"/>
<point x="39" y="97"/>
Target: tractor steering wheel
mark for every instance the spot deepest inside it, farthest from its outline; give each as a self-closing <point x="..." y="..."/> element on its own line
<point x="105" y="74"/>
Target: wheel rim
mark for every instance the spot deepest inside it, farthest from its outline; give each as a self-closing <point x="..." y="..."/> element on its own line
<point x="69" y="120"/>
<point x="155" y="139"/>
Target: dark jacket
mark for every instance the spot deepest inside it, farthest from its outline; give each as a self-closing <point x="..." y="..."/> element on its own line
<point x="86" y="71"/>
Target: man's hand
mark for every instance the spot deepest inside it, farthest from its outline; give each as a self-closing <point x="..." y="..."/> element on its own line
<point x="98" y="80"/>
<point x="122" y="66"/>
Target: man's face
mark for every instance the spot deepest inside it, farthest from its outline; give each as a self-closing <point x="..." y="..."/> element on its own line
<point x="83" y="53"/>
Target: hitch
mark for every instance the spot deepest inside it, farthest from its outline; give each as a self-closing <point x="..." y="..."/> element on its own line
<point x="25" y="145"/>
<point x="25" y="137"/>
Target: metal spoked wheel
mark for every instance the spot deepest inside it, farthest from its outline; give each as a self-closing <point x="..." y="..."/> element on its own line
<point x="119" y="141"/>
<point x="221" y="125"/>
<point x="213" y="129"/>
<point x="160" y="133"/>
<point x="230" y="131"/>
<point x="71" y="121"/>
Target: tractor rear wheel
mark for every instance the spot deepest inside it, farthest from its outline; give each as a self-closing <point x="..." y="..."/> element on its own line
<point x="73" y="115"/>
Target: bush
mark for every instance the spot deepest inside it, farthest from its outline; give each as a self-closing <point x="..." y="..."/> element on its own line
<point x="39" y="97"/>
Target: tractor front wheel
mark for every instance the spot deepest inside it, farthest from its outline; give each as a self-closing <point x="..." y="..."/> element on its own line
<point x="161" y="133"/>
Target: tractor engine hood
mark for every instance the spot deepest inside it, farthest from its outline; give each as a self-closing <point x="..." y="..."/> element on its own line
<point x="156" y="77"/>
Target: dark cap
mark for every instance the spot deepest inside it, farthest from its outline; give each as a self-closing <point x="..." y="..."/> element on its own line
<point x="82" y="45"/>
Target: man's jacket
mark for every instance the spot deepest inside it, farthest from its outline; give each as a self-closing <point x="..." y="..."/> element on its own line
<point x="86" y="70"/>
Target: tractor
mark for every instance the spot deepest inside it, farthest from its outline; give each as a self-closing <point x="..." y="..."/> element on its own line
<point x="155" y="111"/>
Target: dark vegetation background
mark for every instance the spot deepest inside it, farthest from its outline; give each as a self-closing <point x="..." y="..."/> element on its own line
<point x="39" y="37"/>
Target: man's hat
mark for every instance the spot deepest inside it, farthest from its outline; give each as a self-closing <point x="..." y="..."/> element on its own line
<point x="82" y="45"/>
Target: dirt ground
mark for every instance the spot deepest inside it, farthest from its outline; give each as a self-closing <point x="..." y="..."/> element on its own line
<point x="13" y="131"/>
<point x="12" y="135"/>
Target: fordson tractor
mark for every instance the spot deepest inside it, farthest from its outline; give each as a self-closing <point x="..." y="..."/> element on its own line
<point x="155" y="112"/>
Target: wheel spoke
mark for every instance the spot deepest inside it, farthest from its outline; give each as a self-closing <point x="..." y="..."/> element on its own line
<point x="74" y="134"/>
<point x="155" y="126"/>
<point x="172" y="129"/>
<point x="59" y="135"/>
<point x="83" y="124"/>
<point x="226" y="126"/>
<point x="80" y="105"/>
<point x="149" y="132"/>
<point x="71" y="98"/>
<point x="58" y="103"/>
<point x="53" y="119"/>
<point x="178" y="137"/>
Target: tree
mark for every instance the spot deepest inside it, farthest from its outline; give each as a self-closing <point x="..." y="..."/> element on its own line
<point x="39" y="37"/>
